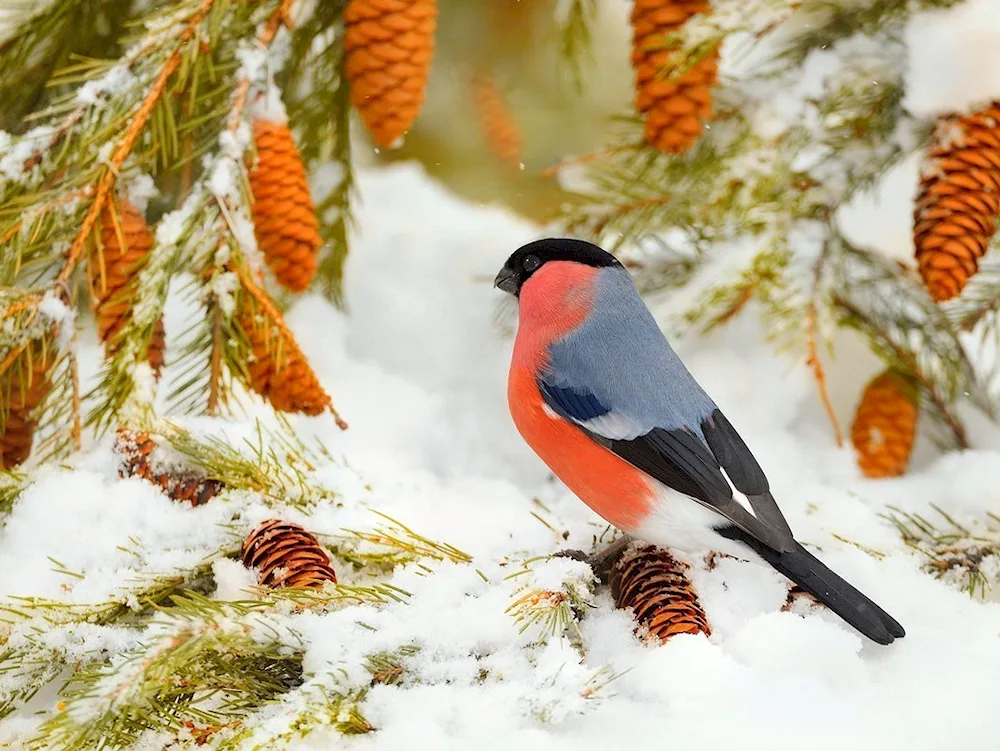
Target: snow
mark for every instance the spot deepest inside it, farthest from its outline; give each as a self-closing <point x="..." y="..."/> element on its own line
<point x="418" y="369"/>
<point x="954" y="61"/>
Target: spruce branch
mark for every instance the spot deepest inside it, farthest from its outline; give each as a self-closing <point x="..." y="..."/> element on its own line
<point x="12" y="484"/>
<point x="317" y="97"/>
<point x="826" y="22"/>
<point x="908" y="331"/>
<point x="575" y="21"/>
<point x="963" y="554"/>
<point x="42" y="38"/>
<point x="812" y="358"/>
<point x="396" y="536"/>
<point x="274" y="463"/>
<point x="32" y="653"/>
<point x="553" y="612"/>
<point x="124" y="147"/>
<point x="208" y="663"/>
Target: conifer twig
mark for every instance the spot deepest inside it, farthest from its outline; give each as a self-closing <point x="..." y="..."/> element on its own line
<point x="954" y="425"/>
<point x="812" y="357"/>
<point x="124" y="148"/>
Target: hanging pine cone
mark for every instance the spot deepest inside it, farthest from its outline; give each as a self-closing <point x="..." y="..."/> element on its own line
<point x="284" y="217"/>
<point x="286" y="555"/>
<point x="675" y="108"/>
<point x="958" y="201"/>
<point x="112" y="269"/>
<point x="653" y="584"/>
<point x="277" y="369"/>
<point x="502" y="133"/>
<point x="885" y="425"/>
<point x="389" y="45"/>
<point x="19" y="421"/>
<point x="135" y="453"/>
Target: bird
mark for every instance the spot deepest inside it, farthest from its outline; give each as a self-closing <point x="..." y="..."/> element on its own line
<point x="597" y="392"/>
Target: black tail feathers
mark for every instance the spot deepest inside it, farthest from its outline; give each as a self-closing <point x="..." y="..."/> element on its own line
<point x="803" y="568"/>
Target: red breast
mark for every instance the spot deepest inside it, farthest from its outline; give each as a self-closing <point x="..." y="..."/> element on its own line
<point x="553" y="302"/>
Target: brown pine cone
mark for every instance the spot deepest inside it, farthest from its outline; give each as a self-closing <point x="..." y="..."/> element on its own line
<point x="958" y="201"/>
<point x="652" y="583"/>
<point x="135" y="451"/>
<point x="885" y="425"/>
<point x="111" y="271"/>
<point x="284" y="217"/>
<point x="19" y="421"/>
<point x="675" y="108"/>
<point x="502" y="133"/>
<point x="389" y="45"/>
<point x="286" y="555"/>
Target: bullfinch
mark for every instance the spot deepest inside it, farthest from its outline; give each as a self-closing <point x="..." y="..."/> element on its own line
<point x="598" y="393"/>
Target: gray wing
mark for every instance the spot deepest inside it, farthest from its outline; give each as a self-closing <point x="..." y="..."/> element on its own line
<point x="617" y="378"/>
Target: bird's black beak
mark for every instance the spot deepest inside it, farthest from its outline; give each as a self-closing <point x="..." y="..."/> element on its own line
<point x="507" y="281"/>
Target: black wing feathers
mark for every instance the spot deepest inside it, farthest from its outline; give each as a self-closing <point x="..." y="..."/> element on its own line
<point x="733" y="455"/>
<point x="743" y="469"/>
<point x="681" y="460"/>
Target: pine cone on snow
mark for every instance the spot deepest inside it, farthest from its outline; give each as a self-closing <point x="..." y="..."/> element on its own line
<point x="20" y="420"/>
<point x="124" y="248"/>
<point x="286" y="555"/>
<point x="885" y="425"/>
<point x="675" y="108"/>
<point x="389" y="45"/>
<point x="135" y="453"/>
<point x="652" y="583"/>
<point x="284" y="217"/>
<point x="958" y="201"/>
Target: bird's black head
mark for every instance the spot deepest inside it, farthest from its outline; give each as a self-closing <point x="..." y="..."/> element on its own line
<point x="529" y="258"/>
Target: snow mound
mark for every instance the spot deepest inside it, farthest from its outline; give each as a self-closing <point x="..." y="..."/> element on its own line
<point x="418" y="369"/>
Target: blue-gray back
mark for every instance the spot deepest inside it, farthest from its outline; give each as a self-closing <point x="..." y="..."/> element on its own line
<point x="620" y="357"/>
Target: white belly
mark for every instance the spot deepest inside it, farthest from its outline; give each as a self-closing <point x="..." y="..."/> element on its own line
<point x="686" y="526"/>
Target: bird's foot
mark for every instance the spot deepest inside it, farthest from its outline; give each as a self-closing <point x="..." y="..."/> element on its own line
<point x="601" y="561"/>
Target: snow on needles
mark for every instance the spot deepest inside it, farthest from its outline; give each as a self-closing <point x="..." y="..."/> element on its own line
<point x="419" y="368"/>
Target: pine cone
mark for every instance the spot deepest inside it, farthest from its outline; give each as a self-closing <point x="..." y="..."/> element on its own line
<point x="135" y="450"/>
<point x="284" y="217"/>
<point x="885" y="425"/>
<point x="503" y="135"/>
<point x="675" y="108"/>
<point x="112" y="269"/>
<point x="18" y="424"/>
<point x="653" y="584"/>
<point x="958" y="201"/>
<point x="278" y="370"/>
<point x="389" y="45"/>
<point x="286" y="555"/>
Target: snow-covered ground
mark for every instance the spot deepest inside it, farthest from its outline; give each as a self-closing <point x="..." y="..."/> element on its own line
<point x="418" y="368"/>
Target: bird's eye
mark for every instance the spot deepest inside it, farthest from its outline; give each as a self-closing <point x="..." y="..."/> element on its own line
<point x="531" y="263"/>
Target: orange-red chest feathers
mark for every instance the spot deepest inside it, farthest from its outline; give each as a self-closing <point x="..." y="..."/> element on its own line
<point x="553" y="302"/>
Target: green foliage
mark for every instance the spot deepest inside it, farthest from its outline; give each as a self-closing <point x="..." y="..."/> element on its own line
<point x="12" y="484"/>
<point x="575" y="34"/>
<point x="316" y="96"/>
<point x="910" y="332"/>
<point x="962" y="554"/>
<point x="552" y="613"/>
<point x="275" y="463"/>
<point x="46" y="37"/>
<point x="406" y="544"/>
<point x="774" y="181"/>
<point x="207" y="666"/>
